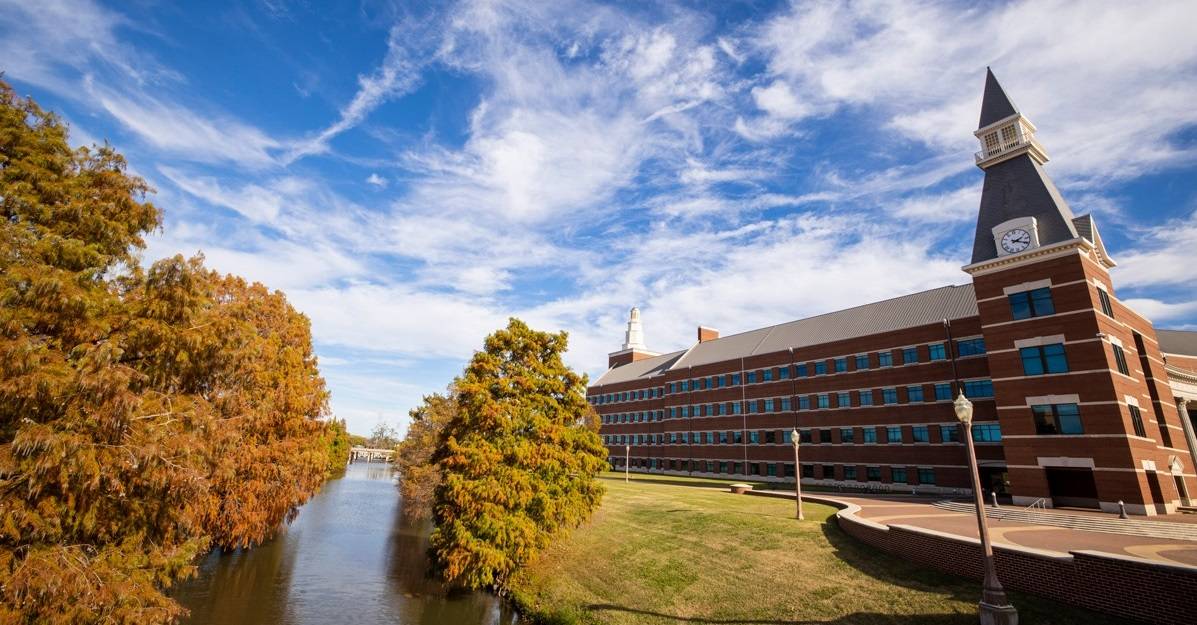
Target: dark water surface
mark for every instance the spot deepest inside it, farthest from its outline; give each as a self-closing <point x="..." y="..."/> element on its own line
<point x="348" y="558"/>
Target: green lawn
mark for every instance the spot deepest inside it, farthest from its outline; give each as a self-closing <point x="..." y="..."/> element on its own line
<point x="661" y="550"/>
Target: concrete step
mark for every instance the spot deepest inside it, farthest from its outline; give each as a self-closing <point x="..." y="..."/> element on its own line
<point x="1112" y="525"/>
<point x="1186" y="509"/>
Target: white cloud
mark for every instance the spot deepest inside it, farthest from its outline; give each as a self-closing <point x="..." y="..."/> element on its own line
<point x="376" y="180"/>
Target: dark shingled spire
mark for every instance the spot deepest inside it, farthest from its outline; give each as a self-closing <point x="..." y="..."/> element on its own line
<point x="995" y="104"/>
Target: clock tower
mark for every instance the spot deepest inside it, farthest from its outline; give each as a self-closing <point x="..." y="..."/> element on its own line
<point x="1078" y="376"/>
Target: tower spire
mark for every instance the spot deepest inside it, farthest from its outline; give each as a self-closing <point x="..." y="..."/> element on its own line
<point x="634" y="337"/>
<point x="995" y="104"/>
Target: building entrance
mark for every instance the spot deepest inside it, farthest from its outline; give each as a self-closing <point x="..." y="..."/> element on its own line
<point x="1072" y="487"/>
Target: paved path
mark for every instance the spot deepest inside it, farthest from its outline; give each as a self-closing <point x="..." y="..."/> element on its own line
<point x="921" y="512"/>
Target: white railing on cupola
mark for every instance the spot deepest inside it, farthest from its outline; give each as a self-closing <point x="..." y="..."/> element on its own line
<point x="1006" y="137"/>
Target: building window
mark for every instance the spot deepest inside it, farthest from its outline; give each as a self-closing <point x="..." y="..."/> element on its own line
<point x="804" y="403"/>
<point x="723" y="438"/>
<point x="943" y="391"/>
<point x="862" y="362"/>
<point x="824" y="436"/>
<point x="754" y="437"/>
<point x="868" y="435"/>
<point x="866" y="398"/>
<point x="970" y="347"/>
<point x="1120" y="359"/>
<point x="750" y="377"/>
<point x="820" y="368"/>
<point x="873" y="474"/>
<point x="672" y="412"/>
<point x="767" y="375"/>
<point x="824" y="400"/>
<point x="938" y="351"/>
<point x="1043" y="359"/>
<point x="914" y="393"/>
<point x="841" y="365"/>
<point x="789" y="469"/>
<point x="710" y="438"/>
<point x="846" y="435"/>
<point x="1106" y="307"/>
<point x="738" y="437"/>
<point x="910" y="355"/>
<point x="800" y="371"/>
<point x="750" y="407"/>
<point x="770" y="436"/>
<point x="787" y="437"/>
<point x="735" y="381"/>
<point x="804" y="436"/>
<point x="849" y="473"/>
<point x="771" y="469"/>
<point x="897" y="475"/>
<point x="893" y="434"/>
<point x="949" y="433"/>
<point x="785" y="404"/>
<point x="920" y="434"/>
<point x="987" y="433"/>
<point x="769" y="405"/>
<point x="842" y="400"/>
<point x="1057" y="419"/>
<point x="808" y="470"/>
<point x="885" y="359"/>
<point x="783" y="373"/>
<point x="978" y="388"/>
<point x="1137" y="421"/>
<point x="889" y="395"/>
<point x="1035" y="303"/>
<point x="829" y="471"/>
<point x="926" y="476"/>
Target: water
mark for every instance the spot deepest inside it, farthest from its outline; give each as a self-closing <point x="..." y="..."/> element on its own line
<point x="348" y="558"/>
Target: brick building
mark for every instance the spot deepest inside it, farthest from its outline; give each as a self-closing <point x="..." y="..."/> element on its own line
<point x="1079" y="400"/>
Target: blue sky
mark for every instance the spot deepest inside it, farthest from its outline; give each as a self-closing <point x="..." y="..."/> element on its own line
<point x="413" y="175"/>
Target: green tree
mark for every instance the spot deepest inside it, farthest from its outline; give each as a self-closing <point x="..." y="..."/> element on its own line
<point x="144" y="415"/>
<point x="383" y="436"/>
<point x="519" y="458"/>
<point x="418" y="474"/>
<point x="338" y="442"/>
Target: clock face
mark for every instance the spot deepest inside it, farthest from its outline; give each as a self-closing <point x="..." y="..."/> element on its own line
<point x="1016" y="240"/>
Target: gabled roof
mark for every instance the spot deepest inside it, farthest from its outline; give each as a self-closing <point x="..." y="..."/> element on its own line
<point x="1181" y="342"/>
<point x="645" y="368"/>
<point x="1087" y="228"/>
<point x="995" y="104"/>
<point x="907" y="311"/>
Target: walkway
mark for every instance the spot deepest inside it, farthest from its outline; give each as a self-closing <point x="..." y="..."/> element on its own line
<point x="1175" y="542"/>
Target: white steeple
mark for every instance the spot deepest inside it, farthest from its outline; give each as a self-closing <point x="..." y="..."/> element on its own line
<point x="634" y="337"/>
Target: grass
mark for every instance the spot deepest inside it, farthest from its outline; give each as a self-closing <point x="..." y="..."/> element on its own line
<point x="663" y="550"/>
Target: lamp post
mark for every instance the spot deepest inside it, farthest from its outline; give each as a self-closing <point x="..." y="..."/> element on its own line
<point x="797" y="474"/>
<point x="627" y="460"/>
<point x="994" y="608"/>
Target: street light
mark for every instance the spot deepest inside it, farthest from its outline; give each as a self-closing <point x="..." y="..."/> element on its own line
<point x="627" y="459"/>
<point x="797" y="474"/>
<point x="995" y="608"/>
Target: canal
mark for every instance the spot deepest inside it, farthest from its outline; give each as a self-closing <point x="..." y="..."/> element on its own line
<point x="349" y="557"/>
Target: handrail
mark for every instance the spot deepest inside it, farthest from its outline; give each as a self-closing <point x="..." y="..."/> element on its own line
<point x="1038" y="504"/>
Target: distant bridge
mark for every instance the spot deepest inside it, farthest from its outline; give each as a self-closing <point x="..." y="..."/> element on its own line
<point x="370" y="455"/>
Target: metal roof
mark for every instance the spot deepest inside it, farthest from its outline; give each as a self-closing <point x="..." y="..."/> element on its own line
<point x="1182" y="342"/>
<point x="995" y="104"/>
<point x="639" y="369"/>
<point x="907" y="311"/>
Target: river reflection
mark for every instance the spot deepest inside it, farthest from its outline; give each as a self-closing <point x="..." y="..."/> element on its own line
<point x="349" y="557"/>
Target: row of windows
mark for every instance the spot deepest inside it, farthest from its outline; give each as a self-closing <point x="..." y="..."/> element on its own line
<point x="982" y="432"/>
<point x="610" y="398"/>
<point x="914" y="394"/>
<point x="898" y="475"/>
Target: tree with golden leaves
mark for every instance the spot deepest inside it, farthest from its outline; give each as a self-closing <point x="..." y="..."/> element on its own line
<point x="519" y="458"/>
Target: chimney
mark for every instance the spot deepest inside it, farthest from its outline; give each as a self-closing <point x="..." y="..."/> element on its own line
<point x="707" y="334"/>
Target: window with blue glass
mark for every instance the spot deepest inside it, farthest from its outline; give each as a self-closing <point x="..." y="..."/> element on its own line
<point x="672" y="412"/>
<point x="873" y="474"/>
<point x="820" y="368"/>
<point x="897" y="475"/>
<point x="970" y="347"/>
<point x="824" y="400"/>
<point x="914" y="393"/>
<point x="700" y="384"/>
<point x="862" y="362"/>
<point x="754" y="437"/>
<point x="1034" y="303"/>
<point x="978" y="388"/>
<point x="866" y="398"/>
<point x="783" y="373"/>
<point x="749" y="407"/>
<point x="750" y="377"/>
<point x="1057" y="419"/>
<point x="769" y="405"/>
<point x="842" y="400"/>
<point x="787" y="437"/>
<point x="735" y="379"/>
<point x="804" y="403"/>
<point x="849" y="472"/>
<point x="987" y="432"/>
<point x="889" y="395"/>
<point x="868" y="435"/>
<point x="1043" y="359"/>
<point x="937" y="351"/>
<point x="910" y="355"/>
<point x="926" y="476"/>
<point x="800" y="371"/>
<point x="785" y="404"/>
<point x="949" y="433"/>
<point x="846" y="435"/>
<point x="920" y="434"/>
<point x="841" y="365"/>
<point x="943" y="391"/>
<point x="885" y="359"/>
<point x="735" y="407"/>
<point x="893" y="434"/>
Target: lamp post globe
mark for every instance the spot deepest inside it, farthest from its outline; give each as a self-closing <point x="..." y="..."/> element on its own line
<point x="963" y="408"/>
<point x="794" y="438"/>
